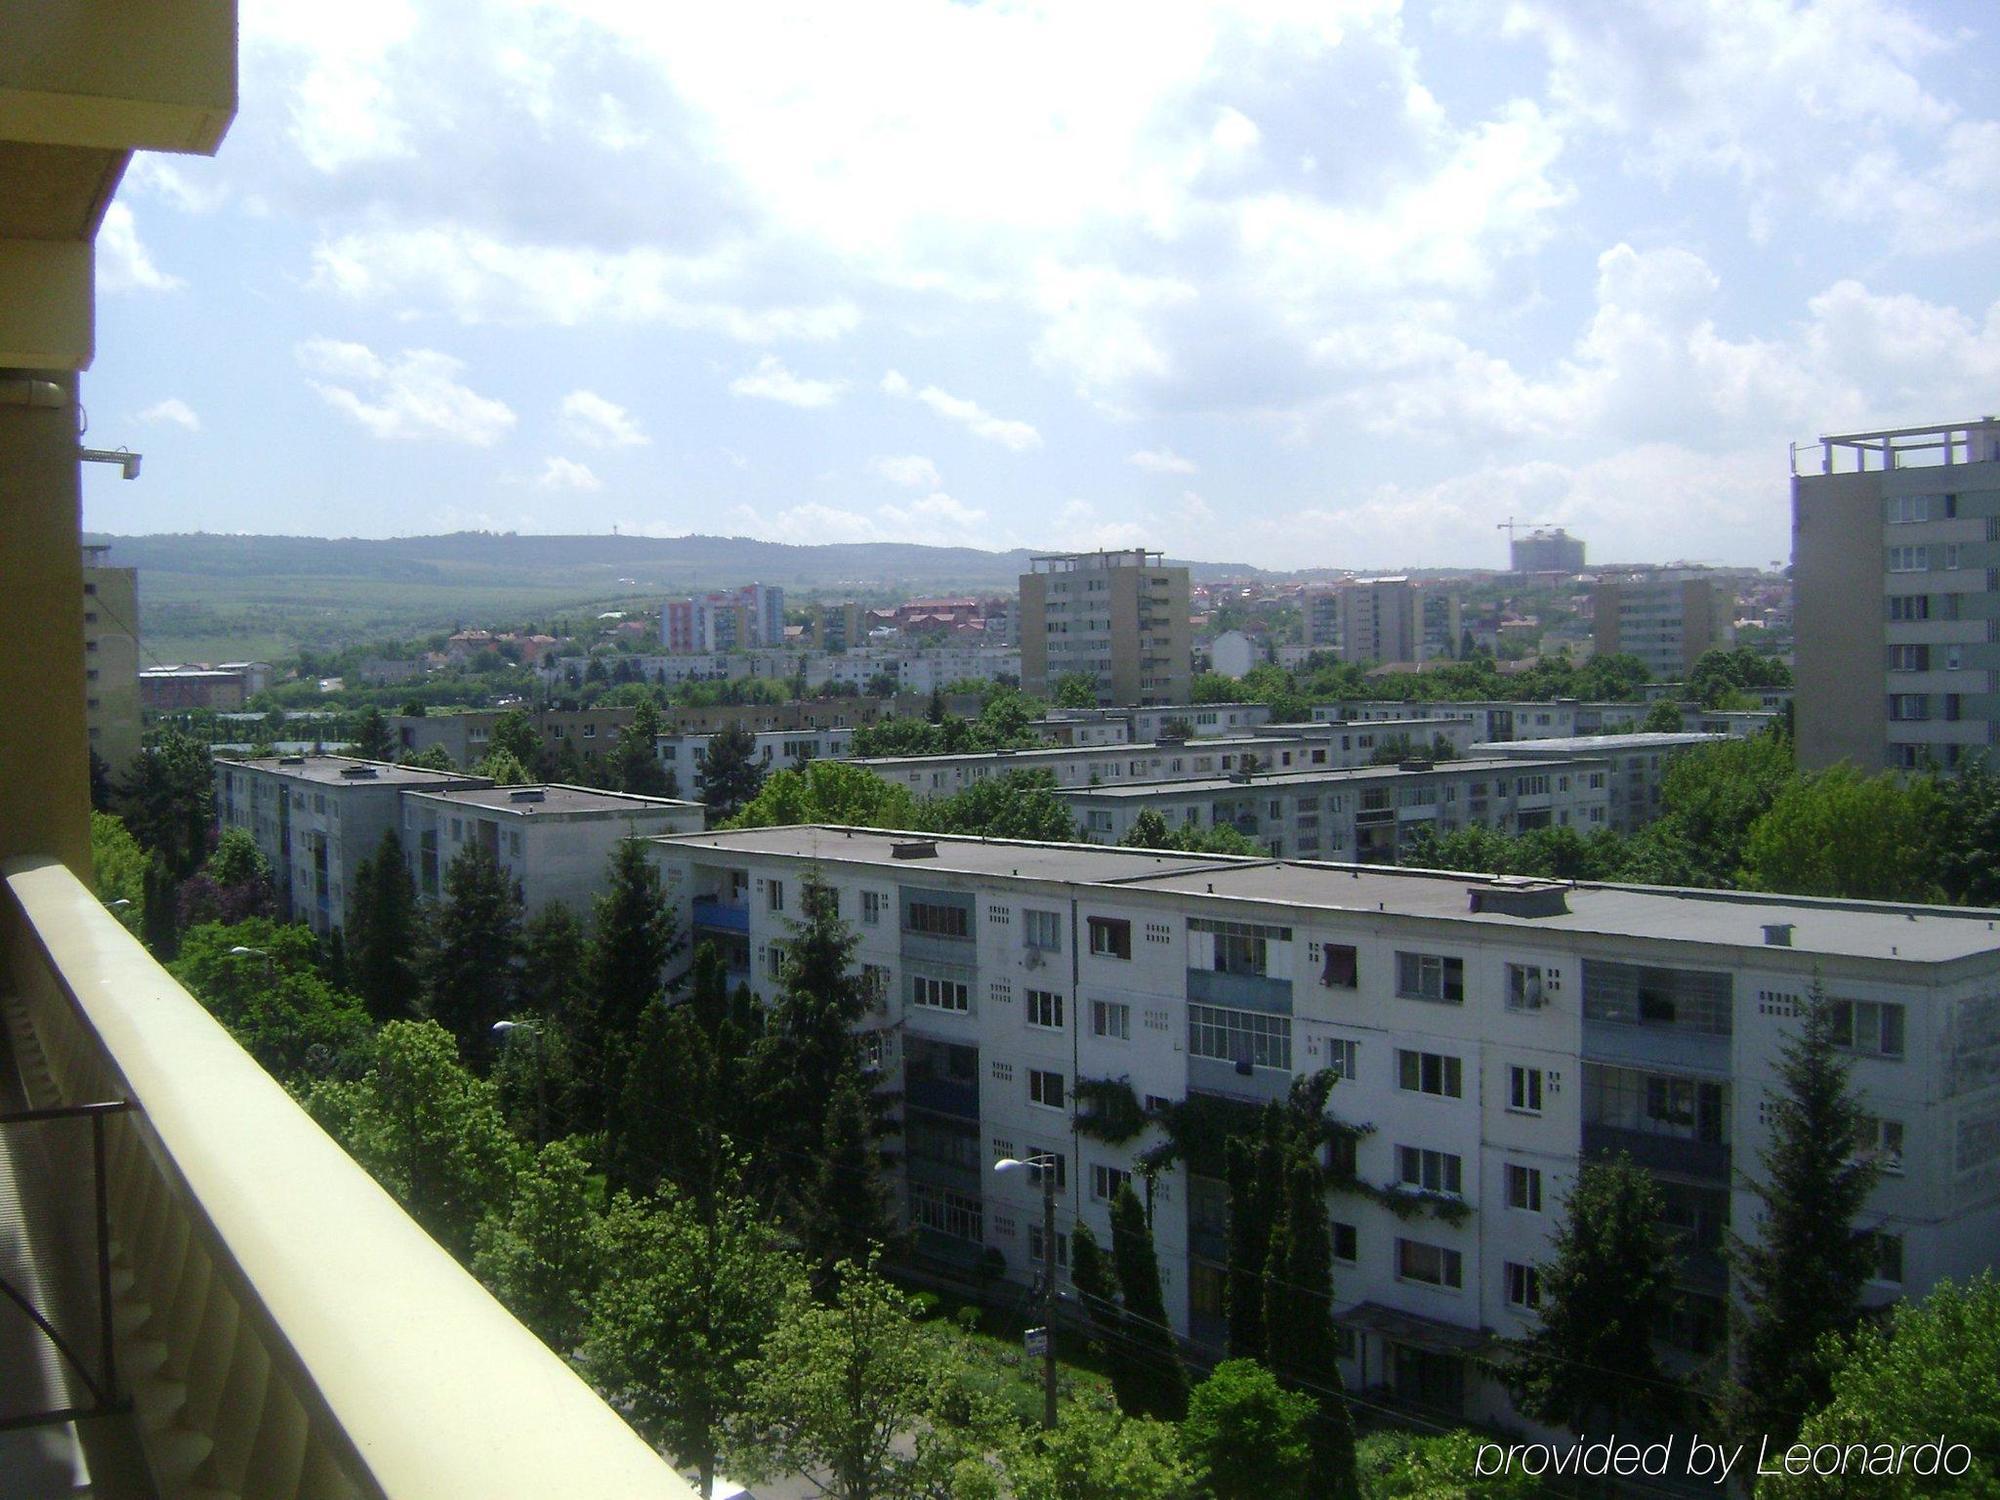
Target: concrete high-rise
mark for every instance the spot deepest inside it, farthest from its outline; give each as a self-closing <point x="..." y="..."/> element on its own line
<point x="1546" y="552"/>
<point x="111" y="659"/>
<point x="1119" y="618"/>
<point x="1387" y="620"/>
<point x="1666" y="618"/>
<point x="1896" y="573"/>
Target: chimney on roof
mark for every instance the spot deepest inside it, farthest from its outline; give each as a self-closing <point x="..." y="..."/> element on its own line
<point x="1777" y="934"/>
<point x="913" y="849"/>
<point x="1516" y="896"/>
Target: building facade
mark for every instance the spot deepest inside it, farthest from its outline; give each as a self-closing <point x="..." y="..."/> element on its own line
<point x="1118" y="618"/>
<point x="683" y="753"/>
<point x="111" y="659"/>
<point x="1897" y="603"/>
<point x="1636" y="766"/>
<point x="1546" y="552"/>
<point x="1489" y="1036"/>
<point x="1666" y="619"/>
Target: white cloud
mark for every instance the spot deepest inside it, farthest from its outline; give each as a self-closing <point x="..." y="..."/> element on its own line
<point x="173" y="410"/>
<point x="935" y="520"/>
<point x="417" y="394"/>
<point x="124" y="264"/>
<point x="344" y="107"/>
<point x="599" y="422"/>
<point x="974" y="418"/>
<point x="567" y="474"/>
<point x="1161" y="460"/>
<point x="911" y="470"/>
<point x="771" y="381"/>
<point x="188" y="185"/>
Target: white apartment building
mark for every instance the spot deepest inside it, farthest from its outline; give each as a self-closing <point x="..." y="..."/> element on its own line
<point x="556" y="842"/>
<point x="1121" y="726"/>
<point x="1635" y="763"/>
<point x="916" y="669"/>
<point x="1497" y="719"/>
<point x="1280" y="747"/>
<point x="775" y="750"/>
<point x="1369" y="814"/>
<point x="1490" y="1035"/>
<point x="316" y="818"/>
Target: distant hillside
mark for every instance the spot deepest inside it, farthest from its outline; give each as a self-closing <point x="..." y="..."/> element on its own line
<point x="207" y="597"/>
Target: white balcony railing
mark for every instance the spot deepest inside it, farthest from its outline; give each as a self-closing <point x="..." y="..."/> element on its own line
<point x="284" y="1328"/>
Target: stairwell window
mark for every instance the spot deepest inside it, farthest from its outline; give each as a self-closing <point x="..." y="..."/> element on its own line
<point x="1046" y="1089"/>
<point x="1434" y="1265"/>
<point x="1110" y="937"/>
<point x="1873" y="1027"/>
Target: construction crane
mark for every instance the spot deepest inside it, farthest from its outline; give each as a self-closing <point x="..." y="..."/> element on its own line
<point x="1510" y="526"/>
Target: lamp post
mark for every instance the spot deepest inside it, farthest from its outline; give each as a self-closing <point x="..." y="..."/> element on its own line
<point x="1046" y="1163"/>
<point x="270" y="962"/>
<point x="501" y="1030"/>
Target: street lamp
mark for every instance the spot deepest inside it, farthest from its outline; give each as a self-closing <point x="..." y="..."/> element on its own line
<point x="502" y="1029"/>
<point x="1047" y="1164"/>
<point x="270" y="962"/>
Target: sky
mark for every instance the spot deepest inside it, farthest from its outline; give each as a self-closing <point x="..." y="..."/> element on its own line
<point x="1325" y="284"/>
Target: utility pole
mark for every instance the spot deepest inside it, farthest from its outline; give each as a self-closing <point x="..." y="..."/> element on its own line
<point x="1046" y="1165"/>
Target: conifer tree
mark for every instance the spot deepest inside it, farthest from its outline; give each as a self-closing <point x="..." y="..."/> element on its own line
<point x="634" y="937"/>
<point x="382" y="931"/>
<point x="635" y="764"/>
<point x="1801" y="1279"/>
<point x="1298" y="1320"/>
<point x="1156" y="1378"/>
<point x="846" y="1216"/>
<point x="1608" y="1287"/>
<point x="1096" y="1286"/>
<point x="474" y="940"/>
<point x="730" y="773"/>
<point x="1254" y="1172"/>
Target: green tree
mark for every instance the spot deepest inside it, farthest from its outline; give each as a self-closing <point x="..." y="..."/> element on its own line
<point x="118" y="868"/>
<point x="384" y="932"/>
<point x="262" y="981"/>
<point x="731" y="773"/>
<point x="1075" y="690"/>
<point x="1255" y="1173"/>
<point x="1968" y="856"/>
<point x="475" y="938"/>
<point x="434" y="758"/>
<point x="1298" y="1325"/>
<point x="1100" y="1455"/>
<point x="688" y="1296"/>
<point x="502" y="769"/>
<point x="1711" y="797"/>
<point x="1399" y="1465"/>
<point x="634" y="937"/>
<point x="1607" y="1288"/>
<point x="514" y="732"/>
<point x="1663" y="717"/>
<point x="540" y="1256"/>
<point x="1801" y="1280"/>
<point x="372" y="737"/>
<point x="1016" y="805"/>
<point x="635" y="763"/>
<point x="854" y="1394"/>
<point x="167" y="799"/>
<point x="828" y="791"/>
<point x="233" y="884"/>
<point x="1839" y="833"/>
<point x="846" y="1215"/>
<point x="1245" y="1435"/>
<point x="427" y="1129"/>
<point x="551" y="993"/>
<point x="159" y="907"/>
<point x="1152" y="1359"/>
<point x="1934" y="1369"/>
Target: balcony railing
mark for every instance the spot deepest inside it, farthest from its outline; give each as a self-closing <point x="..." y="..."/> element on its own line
<point x="719" y="915"/>
<point x="1674" y="1156"/>
<point x="282" y="1326"/>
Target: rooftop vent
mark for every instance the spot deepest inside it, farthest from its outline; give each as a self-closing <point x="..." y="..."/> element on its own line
<point x="1517" y="896"/>
<point x="528" y="794"/>
<point x="358" y="773"/>
<point x="291" y="760"/>
<point x="1777" y="934"/>
<point x="1416" y="763"/>
<point x="914" y="849"/>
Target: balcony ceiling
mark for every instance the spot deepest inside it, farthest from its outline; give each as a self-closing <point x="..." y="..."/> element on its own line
<point x="55" y="192"/>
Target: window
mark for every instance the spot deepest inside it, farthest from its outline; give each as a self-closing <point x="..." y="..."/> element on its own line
<point x="1239" y="1036"/>
<point x="1524" y="1286"/>
<point x="1111" y="1018"/>
<point x="1882" y="1140"/>
<point x="1909" y="708"/>
<point x="1887" y="1258"/>
<point x="1343" y="1055"/>
<point x="1346" y="1242"/>
<point x="1428" y="1073"/>
<point x="1057" y="1162"/>
<point x="871" y="908"/>
<point x="1871" y="1026"/>
<point x="1915" y="559"/>
<point x="1043" y="930"/>
<point x="1430" y="976"/>
<point x="945" y="1212"/>
<point x="1045" y="1009"/>
<point x="1909" y="658"/>
<point x="1339" y="969"/>
<point x="774" y="894"/>
<point x="1524" y="1090"/>
<point x="1106" y="1181"/>
<point x="875" y="983"/>
<point x="1111" y="937"/>
<point x="777" y="960"/>
<point x="1524" y="1187"/>
<point x="1433" y="1265"/>
<point x="1909" y="606"/>
<point x="1037" y="1254"/>
<point x="1431" y="1171"/>
<point x="935" y="919"/>
<point x="1524" y="987"/>
<point x="939" y="994"/>
<point x="1046" y="1089"/>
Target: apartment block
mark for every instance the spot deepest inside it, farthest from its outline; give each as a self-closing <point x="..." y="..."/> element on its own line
<point x="1118" y="618"/>
<point x="684" y="754"/>
<point x="1370" y="814"/>
<point x="1385" y="620"/>
<point x="1546" y="552"/>
<point x="111" y="659"/>
<point x="1490" y="1035"/>
<point x="556" y="842"/>
<point x="748" y="618"/>
<point x="1270" y="747"/>
<point x="1562" y="718"/>
<point x="1118" y="726"/>
<point x="1666" y="618"/>
<point x="1320" y="608"/>
<point x="1896" y="572"/>
<point x="1636" y="765"/>
<point x="316" y="818"/>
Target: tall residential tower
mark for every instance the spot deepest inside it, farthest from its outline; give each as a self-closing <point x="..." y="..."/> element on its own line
<point x="1119" y="618"/>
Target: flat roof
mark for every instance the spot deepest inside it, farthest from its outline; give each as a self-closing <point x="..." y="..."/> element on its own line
<point x="1198" y="745"/>
<point x="1199" y="785"/>
<point x="330" y="769"/>
<point x="1607" y="743"/>
<point x="556" y="798"/>
<point x="1836" y="928"/>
